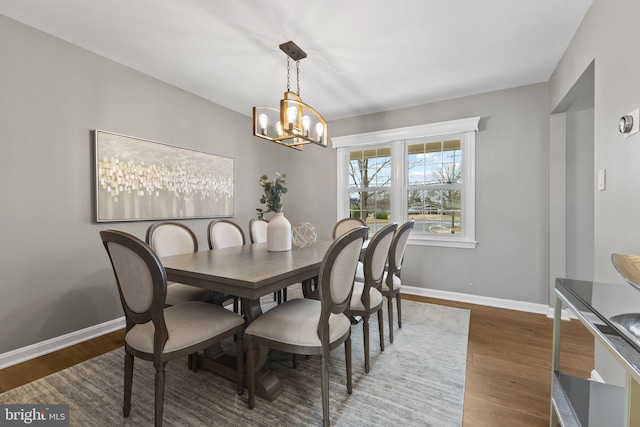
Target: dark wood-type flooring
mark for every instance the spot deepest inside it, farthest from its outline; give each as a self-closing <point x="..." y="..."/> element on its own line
<point x="508" y="363"/>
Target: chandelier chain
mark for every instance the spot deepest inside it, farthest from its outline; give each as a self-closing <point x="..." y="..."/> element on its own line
<point x="298" y="76"/>
<point x="288" y="75"/>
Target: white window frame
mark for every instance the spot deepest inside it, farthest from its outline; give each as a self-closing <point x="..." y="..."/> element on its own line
<point x="399" y="139"/>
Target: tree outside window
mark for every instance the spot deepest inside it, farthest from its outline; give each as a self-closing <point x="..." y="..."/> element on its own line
<point x="369" y="186"/>
<point x="434" y="180"/>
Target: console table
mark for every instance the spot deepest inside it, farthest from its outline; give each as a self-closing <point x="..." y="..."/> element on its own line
<point x="603" y="309"/>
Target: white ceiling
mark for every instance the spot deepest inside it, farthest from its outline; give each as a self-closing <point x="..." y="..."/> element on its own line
<point x="364" y="56"/>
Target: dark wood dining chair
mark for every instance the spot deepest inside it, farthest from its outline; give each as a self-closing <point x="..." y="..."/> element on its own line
<point x="313" y="327"/>
<point x="158" y="333"/>
<point x="367" y="298"/>
<point x="392" y="283"/>
<point x="258" y="234"/>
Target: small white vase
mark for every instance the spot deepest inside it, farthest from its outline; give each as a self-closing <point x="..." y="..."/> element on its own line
<point x="279" y="234"/>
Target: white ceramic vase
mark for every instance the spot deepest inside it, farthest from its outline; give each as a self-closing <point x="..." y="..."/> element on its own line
<point x="279" y="233"/>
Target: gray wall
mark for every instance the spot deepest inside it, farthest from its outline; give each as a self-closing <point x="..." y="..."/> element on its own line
<point x="580" y="184"/>
<point x="510" y="261"/>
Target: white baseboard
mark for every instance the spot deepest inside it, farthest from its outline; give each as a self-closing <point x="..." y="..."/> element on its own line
<point x="39" y="349"/>
<point x="481" y="300"/>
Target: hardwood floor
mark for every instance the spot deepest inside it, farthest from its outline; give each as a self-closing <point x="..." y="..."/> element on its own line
<point x="508" y="377"/>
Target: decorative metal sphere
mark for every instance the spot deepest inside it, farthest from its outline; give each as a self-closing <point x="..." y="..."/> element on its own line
<point x="303" y="234"/>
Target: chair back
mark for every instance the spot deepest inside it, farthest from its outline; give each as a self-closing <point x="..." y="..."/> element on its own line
<point x="171" y="238"/>
<point x="141" y="280"/>
<point x="337" y="272"/>
<point x="258" y="230"/>
<point x="375" y="257"/>
<point x="398" y="246"/>
<point x="223" y="233"/>
<point x="346" y="224"/>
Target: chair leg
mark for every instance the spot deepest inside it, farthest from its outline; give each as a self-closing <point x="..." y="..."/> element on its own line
<point x="324" y="385"/>
<point x="390" y="310"/>
<point x="159" y="394"/>
<point x="128" y="382"/>
<point x="251" y="372"/>
<point x="365" y="333"/>
<point x="239" y="362"/>
<point x="398" y="302"/>
<point x="284" y="295"/>
<point x="192" y="362"/>
<point x="347" y="358"/>
<point x="236" y="305"/>
<point x="381" y="329"/>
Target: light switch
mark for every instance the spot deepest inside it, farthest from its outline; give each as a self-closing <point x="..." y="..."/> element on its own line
<point x="602" y="179"/>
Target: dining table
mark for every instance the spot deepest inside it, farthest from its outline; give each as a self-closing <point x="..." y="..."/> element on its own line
<point x="248" y="272"/>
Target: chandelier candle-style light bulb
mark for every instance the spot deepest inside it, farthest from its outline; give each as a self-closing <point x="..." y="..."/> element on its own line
<point x="306" y="124"/>
<point x="292" y="116"/>
<point x="279" y="128"/>
<point x="262" y="118"/>
<point x="319" y="130"/>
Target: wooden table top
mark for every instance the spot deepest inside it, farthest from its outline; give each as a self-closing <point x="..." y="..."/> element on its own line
<point x="248" y="271"/>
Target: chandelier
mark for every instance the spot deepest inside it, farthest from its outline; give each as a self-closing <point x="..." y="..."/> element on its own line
<point x="295" y="123"/>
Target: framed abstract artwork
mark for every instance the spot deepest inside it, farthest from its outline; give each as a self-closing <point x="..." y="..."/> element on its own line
<point x="138" y="179"/>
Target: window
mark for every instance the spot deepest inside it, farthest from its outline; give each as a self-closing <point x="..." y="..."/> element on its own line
<point x="370" y="185"/>
<point x="424" y="173"/>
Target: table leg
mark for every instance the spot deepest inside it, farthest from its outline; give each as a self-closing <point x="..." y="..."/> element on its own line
<point x="268" y="385"/>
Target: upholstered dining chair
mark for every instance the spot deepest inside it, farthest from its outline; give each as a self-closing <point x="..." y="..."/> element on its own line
<point x="367" y="298"/>
<point x="346" y="224"/>
<point x="172" y="238"/>
<point x="258" y="234"/>
<point x="223" y="233"/>
<point x="155" y="332"/>
<point x="313" y="327"/>
<point x="258" y="230"/>
<point x="391" y="284"/>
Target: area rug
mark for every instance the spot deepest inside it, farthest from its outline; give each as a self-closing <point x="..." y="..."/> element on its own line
<point x="417" y="381"/>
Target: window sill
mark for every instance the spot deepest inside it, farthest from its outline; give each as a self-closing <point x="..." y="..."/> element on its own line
<point x="445" y="243"/>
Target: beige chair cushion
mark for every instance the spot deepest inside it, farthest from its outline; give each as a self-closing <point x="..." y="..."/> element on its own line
<point x="375" y="297"/>
<point x="296" y="322"/>
<point x="133" y="276"/>
<point x="169" y="239"/>
<point x="224" y="235"/>
<point x="177" y="293"/>
<point x="259" y="231"/>
<point x="397" y="283"/>
<point x="187" y="323"/>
